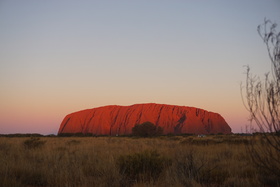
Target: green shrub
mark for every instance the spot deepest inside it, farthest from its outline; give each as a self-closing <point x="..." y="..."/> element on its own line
<point x="33" y="143"/>
<point x="144" y="166"/>
<point x="146" y="129"/>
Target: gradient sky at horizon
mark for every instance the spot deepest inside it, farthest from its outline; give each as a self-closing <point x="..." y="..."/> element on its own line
<point x="58" y="57"/>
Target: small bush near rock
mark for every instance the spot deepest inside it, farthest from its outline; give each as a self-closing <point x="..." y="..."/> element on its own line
<point x="146" y="129"/>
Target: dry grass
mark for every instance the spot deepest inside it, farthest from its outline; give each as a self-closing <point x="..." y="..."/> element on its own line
<point x="93" y="161"/>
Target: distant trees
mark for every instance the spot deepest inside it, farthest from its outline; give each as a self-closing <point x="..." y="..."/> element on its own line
<point x="262" y="100"/>
<point x="146" y="129"/>
<point x="24" y="135"/>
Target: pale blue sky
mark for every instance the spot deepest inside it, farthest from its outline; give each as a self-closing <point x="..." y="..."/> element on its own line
<point x="57" y="57"/>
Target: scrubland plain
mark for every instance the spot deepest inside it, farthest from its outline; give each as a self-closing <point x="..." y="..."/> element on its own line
<point x="217" y="160"/>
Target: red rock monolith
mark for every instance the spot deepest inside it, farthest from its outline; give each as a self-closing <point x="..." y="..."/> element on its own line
<point x="119" y="120"/>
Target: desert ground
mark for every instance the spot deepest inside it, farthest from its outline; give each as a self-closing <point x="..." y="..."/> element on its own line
<point x="214" y="160"/>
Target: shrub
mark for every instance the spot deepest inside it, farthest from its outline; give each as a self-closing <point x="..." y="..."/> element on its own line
<point x="190" y="166"/>
<point x="146" y="129"/>
<point x="33" y="143"/>
<point x="144" y="166"/>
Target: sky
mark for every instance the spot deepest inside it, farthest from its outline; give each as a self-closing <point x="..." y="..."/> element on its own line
<point x="58" y="57"/>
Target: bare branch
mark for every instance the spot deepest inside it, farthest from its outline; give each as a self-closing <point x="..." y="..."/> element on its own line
<point x="263" y="104"/>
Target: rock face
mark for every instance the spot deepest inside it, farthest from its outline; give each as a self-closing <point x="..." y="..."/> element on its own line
<point x="119" y="120"/>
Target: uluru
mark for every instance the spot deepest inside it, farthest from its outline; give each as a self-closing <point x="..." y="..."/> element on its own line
<point x="119" y="120"/>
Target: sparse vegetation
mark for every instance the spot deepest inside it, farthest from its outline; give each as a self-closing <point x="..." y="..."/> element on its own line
<point x="216" y="160"/>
